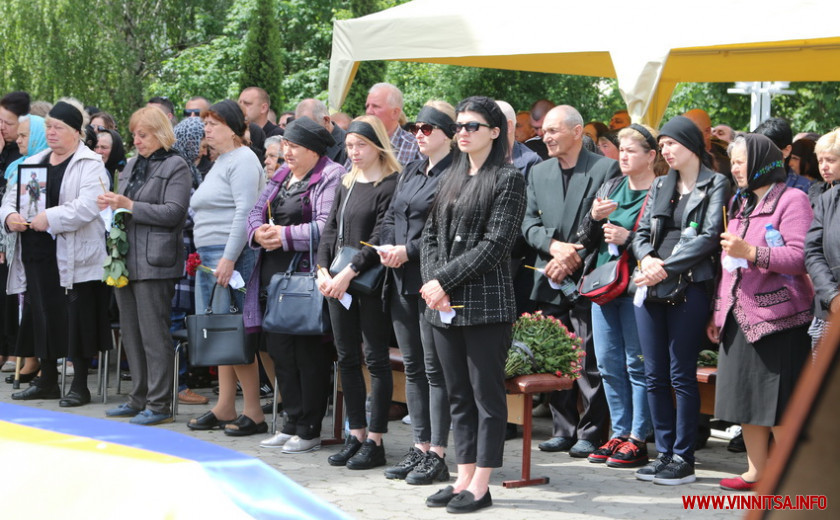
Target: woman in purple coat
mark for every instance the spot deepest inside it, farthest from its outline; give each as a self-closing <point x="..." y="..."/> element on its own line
<point x="763" y="308"/>
<point x="299" y="194"/>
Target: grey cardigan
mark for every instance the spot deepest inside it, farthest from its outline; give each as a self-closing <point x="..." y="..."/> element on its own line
<point x="155" y="237"/>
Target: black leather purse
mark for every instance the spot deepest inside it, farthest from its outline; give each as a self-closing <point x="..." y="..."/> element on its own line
<point x="218" y="339"/>
<point x="367" y="282"/>
<point x="294" y="304"/>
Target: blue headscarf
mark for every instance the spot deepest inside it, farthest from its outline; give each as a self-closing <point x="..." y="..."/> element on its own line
<point x="37" y="143"/>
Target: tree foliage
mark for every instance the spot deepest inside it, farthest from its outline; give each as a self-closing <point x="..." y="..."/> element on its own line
<point x="134" y="49"/>
<point x="261" y="58"/>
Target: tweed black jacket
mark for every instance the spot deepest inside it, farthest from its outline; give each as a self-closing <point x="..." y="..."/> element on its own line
<point x="469" y="256"/>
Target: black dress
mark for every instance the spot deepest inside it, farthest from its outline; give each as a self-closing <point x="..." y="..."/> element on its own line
<point x="55" y="321"/>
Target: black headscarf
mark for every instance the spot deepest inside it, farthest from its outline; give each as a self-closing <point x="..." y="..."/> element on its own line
<point x="684" y="131"/>
<point x="765" y="165"/>
<point x="309" y="134"/>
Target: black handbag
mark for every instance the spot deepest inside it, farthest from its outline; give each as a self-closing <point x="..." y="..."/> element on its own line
<point x="671" y="290"/>
<point x="294" y="304"/>
<point x="218" y="339"/>
<point x="366" y="283"/>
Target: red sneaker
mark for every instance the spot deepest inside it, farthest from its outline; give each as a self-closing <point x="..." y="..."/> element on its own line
<point x="604" y="452"/>
<point x="736" y="484"/>
<point x="629" y="454"/>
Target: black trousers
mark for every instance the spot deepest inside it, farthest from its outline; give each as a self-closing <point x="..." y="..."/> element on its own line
<point x="592" y="422"/>
<point x="473" y="361"/>
<point x="364" y="323"/>
<point x="302" y="366"/>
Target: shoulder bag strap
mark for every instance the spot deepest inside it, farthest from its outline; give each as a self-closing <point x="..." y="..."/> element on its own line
<point x="341" y="216"/>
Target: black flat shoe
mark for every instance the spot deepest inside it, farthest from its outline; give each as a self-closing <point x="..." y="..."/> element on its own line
<point x="24" y="378"/>
<point x="206" y="421"/>
<point x="74" y="398"/>
<point x="38" y="392"/>
<point x="244" y="425"/>
<point x="465" y="502"/>
<point x="441" y="498"/>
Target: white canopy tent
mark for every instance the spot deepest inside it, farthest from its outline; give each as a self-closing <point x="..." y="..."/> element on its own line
<point x="648" y="45"/>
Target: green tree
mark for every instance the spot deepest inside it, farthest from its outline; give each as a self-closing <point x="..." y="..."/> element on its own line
<point x="261" y="59"/>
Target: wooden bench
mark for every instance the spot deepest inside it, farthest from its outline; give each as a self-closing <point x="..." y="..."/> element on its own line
<point x="706" y="377"/>
<point x="520" y="402"/>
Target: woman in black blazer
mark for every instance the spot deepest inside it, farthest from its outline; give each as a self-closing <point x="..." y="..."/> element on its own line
<point x="428" y="402"/>
<point x="473" y="224"/>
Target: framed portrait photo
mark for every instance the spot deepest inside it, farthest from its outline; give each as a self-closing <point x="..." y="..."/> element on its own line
<point x="31" y="190"/>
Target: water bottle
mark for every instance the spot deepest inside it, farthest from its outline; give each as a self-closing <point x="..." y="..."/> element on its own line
<point x="569" y="289"/>
<point x="688" y="234"/>
<point x="773" y="237"/>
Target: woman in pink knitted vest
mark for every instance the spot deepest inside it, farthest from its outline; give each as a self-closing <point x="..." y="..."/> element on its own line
<point x="763" y="307"/>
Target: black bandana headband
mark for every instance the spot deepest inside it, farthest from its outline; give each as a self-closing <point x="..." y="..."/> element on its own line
<point x="67" y="114"/>
<point x="648" y="137"/>
<point x="365" y="130"/>
<point x="437" y="118"/>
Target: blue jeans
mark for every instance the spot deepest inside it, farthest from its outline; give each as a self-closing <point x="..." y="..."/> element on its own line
<point x="622" y="367"/>
<point x="671" y="336"/>
<point x="210" y="256"/>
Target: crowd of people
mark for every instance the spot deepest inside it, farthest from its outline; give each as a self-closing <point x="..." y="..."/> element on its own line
<point x="421" y="230"/>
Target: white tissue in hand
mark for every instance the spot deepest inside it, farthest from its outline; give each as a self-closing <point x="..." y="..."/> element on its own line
<point x="384" y="248"/>
<point x="346" y="300"/>
<point x="639" y="297"/>
<point x="613" y="249"/>
<point x="447" y="317"/>
<point x="730" y="264"/>
<point x="107" y="216"/>
<point x="554" y="285"/>
<point x="236" y="281"/>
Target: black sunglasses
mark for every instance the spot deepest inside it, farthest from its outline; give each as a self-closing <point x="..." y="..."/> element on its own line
<point x="426" y="128"/>
<point x="100" y="128"/>
<point x="192" y="112"/>
<point x="471" y="127"/>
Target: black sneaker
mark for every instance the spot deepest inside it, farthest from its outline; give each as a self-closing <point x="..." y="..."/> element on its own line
<point x="433" y="468"/>
<point x="629" y="454"/>
<point x="648" y="473"/>
<point x="606" y="451"/>
<point x="412" y="459"/>
<point x="265" y="391"/>
<point x="677" y="472"/>
<point x="351" y="446"/>
<point x="369" y="456"/>
<point x="736" y="444"/>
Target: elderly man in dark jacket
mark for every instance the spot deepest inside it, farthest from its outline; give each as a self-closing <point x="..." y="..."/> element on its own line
<point x="560" y="192"/>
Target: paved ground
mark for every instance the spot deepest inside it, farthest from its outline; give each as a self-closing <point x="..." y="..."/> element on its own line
<point x="577" y="489"/>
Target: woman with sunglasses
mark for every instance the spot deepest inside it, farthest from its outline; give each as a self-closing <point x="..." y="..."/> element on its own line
<point x="361" y="200"/>
<point x="464" y="260"/>
<point x="428" y="404"/>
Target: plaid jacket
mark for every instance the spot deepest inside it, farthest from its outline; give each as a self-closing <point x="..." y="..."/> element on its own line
<point x="405" y="147"/>
<point x="469" y="255"/>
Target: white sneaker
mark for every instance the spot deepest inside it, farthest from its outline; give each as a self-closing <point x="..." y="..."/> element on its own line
<point x="70" y="370"/>
<point x="298" y="445"/>
<point x="407" y="420"/>
<point x="8" y="366"/>
<point x="277" y="441"/>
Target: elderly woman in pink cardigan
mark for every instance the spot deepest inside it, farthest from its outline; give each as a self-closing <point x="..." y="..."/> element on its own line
<point x="763" y="304"/>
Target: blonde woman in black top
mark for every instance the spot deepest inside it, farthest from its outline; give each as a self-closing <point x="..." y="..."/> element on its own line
<point x="361" y="201"/>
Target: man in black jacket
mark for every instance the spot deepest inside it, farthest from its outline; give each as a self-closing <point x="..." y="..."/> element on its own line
<point x="560" y="192"/>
